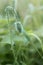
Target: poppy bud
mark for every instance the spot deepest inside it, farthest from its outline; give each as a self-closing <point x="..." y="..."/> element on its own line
<point x="19" y="27"/>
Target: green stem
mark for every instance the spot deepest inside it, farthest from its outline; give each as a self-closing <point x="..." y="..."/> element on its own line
<point x="10" y="35"/>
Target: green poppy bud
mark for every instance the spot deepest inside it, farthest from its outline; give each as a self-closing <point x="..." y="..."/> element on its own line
<point x="19" y="27"/>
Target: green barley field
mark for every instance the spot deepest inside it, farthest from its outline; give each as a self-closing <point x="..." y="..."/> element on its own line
<point x="21" y="32"/>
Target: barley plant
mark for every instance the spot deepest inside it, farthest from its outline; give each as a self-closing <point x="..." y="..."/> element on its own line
<point x="21" y="32"/>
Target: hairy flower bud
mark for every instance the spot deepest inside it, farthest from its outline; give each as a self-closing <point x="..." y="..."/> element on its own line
<point x="19" y="27"/>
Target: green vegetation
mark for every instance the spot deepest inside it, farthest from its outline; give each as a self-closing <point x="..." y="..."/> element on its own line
<point x="21" y="36"/>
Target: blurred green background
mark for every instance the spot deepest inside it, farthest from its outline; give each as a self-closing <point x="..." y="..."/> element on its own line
<point x="25" y="52"/>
